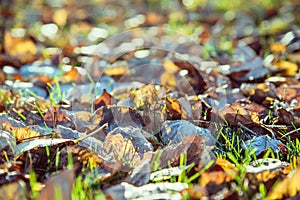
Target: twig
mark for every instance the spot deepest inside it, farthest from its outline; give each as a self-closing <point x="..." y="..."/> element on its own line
<point x="247" y="129"/>
<point x="291" y="132"/>
<point x="92" y="133"/>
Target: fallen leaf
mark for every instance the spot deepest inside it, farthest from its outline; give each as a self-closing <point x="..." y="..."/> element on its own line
<point x="250" y="70"/>
<point x="21" y="133"/>
<point x="288" y="187"/>
<point x="170" y="67"/>
<point x="288" y="68"/>
<point x="14" y="190"/>
<point x="262" y="143"/>
<point x="174" y="110"/>
<point x="127" y="145"/>
<point x="104" y="100"/>
<point x="55" y="116"/>
<point x="59" y="186"/>
<point x="194" y="147"/>
<point x="60" y="17"/>
<point x="193" y="83"/>
<point x="259" y="92"/>
<point x="221" y="172"/>
<point x="71" y="75"/>
<point x="173" y="132"/>
<point x="153" y="18"/>
<point x="117" y="116"/>
<point x="16" y="46"/>
<point x="168" y="79"/>
<point x="278" y="47"/>
<point x="116" y="70"/>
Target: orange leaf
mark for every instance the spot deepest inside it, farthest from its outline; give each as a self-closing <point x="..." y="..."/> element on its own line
<point x="174" y="110"/>
<point x="288" y="187"/>
<point x="104" y="100"/>
<point x="221" y="172"/>
<point x="71" y="75"/>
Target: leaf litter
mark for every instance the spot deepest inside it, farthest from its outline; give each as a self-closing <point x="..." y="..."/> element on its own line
<point x="171" y="122"/>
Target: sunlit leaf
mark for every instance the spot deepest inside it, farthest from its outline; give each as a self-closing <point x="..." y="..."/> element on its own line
<point x="288" y="187"/>
<point x="288" y="68"/>
<point x="278" y="47"/>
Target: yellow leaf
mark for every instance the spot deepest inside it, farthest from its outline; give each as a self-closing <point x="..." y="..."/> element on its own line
<point x="288" y="187"/>
<point x="17" y="46"/>
<point x="289" y="68"/>
<point x="116" y="71"/>
<point x="21" y="133"/>
<point x="168" y="79"/>
<point x="170" y="67"/>
<point x="60" y="17"/>
<point x="278" y="47"/>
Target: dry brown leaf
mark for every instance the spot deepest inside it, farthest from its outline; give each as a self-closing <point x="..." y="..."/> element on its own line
<point x="221" y="172"/>
<point x="104" y="100"/>
<point x="127" y="145"/>
<point x="56" y="116"/>
<point x="174" y="110"/>
<point x="59" y="186"/>
<point x="153" y="18"/>
<point x="22" y="133"/>
<point x="288" y="187"/>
